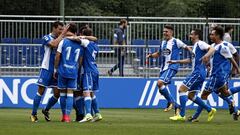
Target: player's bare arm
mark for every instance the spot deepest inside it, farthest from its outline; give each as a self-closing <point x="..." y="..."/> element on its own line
<point x="235" y="65"/>
<point x="153" y="55"/>
<point x="56" y="63"/>
<point x="205" y="59"/>
<point x="54" y="43"/>
<point x="184" y="61"/>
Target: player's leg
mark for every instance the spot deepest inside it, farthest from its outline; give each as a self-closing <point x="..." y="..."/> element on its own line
<point x="165" y="78"/>
<point x="199" y="109"/>
<point x="95" y="107"/>
<point x="62" y="86"/>
<point x="51" y="102"/>
<point x="87" y="88"/>
<point x="225" y="93"/>
<point x="69" y="104"/>
<point x="43" y="81"/>
<point x="234" y="90"/>
<point x="211" y="111"/>
<point x="180" y="116"/>
<point x="36" y="103"/>
<point x="79" y="101"/>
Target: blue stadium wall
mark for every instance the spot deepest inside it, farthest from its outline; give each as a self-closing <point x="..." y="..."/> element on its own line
<point x="18" y="92"/>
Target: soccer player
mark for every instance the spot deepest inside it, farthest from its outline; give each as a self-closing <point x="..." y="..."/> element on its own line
<point x="193" y="83"/>
<point x="50" y="43"/>
<point x="169" y="48"/>
<point x="67" y="64"/>
<point x="220" y="71"/>
<point x="90" y="79"/>
<point x="78" y="95"/>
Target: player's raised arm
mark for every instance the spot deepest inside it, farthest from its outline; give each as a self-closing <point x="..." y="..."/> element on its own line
<point x="54" y="43"/>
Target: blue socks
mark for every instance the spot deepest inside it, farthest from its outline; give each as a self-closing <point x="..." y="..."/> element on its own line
<point x="66" y="103"/>
<point x="199" y="110"/>
<point x="95" y="104"/>
<point x="183" y="99"/>
<point x="36" y="102"/>
<point x="164" y="91"/>
<point x="200" y="102"/>
<point x="51" y="102"/>
<point x="80" y="104"/>
<point x="69" y="103"/>
<point x="87" y="104"/>
<point x="63" y="97"/>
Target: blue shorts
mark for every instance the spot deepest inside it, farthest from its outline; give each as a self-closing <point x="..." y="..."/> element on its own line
<point x="216" y="82"/>
<point x="90" y="82"/>
<point x="167" y="75"/>
<point x="194" y="82"/>
<point x="46" y="79"/>
<point x="67" y="83"/>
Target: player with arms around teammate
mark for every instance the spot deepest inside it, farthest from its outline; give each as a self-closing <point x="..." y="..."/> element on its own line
<point x="169" y="48"/>
<point x="67" y="62"/>
<point x="90" y="79"/>
<point x="220" y="71"/>
<point x="193" y="83"/>
<point x="50" y="43"/>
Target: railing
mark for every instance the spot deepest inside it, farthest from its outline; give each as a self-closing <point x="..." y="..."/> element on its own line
<point x="25" y="60"/>
<point x="145" y="28"/>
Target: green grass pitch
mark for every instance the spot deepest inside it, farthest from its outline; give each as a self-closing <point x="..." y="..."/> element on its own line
<point x="117" y="122"/>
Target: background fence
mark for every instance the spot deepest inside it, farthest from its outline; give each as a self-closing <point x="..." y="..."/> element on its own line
<point x="21" y="37"/>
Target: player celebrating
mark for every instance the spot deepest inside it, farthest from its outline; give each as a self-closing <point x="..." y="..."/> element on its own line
<point x="193" y="83"/>
<point x="170" y="50"/>
<point x="50" y="43"/>
<point x="67" y="65"/>
<point x="220" y="71"/>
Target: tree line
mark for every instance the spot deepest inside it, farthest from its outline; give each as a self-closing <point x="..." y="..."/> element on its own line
<point x="151" y="8"/>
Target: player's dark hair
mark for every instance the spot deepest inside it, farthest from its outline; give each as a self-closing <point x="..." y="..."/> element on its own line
<point x="72" y="28"/>
<point x="228" y="28"/>
<point x="82" y="28"/>
<point x="56" y="24"/>
<point x="199" y="33"/>
<point x="87" y="32"/>
<point x="219" y="31"/>
<point x="122" y="21"/>
<point x="168" y="27"/>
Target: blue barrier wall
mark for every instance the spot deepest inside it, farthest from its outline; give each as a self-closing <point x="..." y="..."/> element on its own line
<point x="18" y="92"/>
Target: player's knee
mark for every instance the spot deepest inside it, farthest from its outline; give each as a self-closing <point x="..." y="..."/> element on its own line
<point x="160" y="84"/>
<point x="56" y="93"/>
<point x="86" y="94"/>
<point x="182" y="89"/>
<point x="204" y="95"/>
<point x="191" y="95"/>
<point x="41" y="90"/>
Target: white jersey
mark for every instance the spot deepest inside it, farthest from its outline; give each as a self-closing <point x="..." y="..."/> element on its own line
<point x="170" y="50"/>
<point x="48" y="56"/>
<point x="227" y="37"/>
<point x="231" y="47"/>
